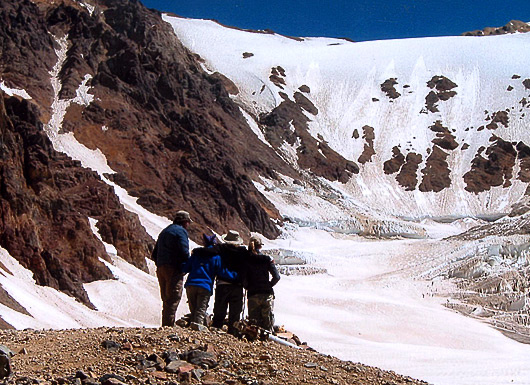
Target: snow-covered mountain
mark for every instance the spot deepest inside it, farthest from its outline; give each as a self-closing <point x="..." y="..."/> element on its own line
<point x="437" y="126"/>
<point x="112" y="117"/>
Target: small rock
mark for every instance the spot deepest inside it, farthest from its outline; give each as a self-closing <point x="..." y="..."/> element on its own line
<point x="159" y="375"/>
<point x="200" y="358"/>
<point x="178" y="366"/>
<point x="173" y="337"/>
<point x="310" y="365"/>
<point x="104" y="378"/>
<point x="127" y="346"/>
<point x="81" y="375"/>
<point x="170" y="356"/>
<point x="198" y="327"/>
<point x="111" y="346"/>
<point x="184" y="377"/>
<point x="113" y="381"/>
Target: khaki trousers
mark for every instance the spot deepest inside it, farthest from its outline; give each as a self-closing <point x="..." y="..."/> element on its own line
<point x="171" y="282"/>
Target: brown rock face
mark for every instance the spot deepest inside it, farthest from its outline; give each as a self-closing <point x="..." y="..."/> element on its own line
<point x="441" y="87"/>
<point x="170" y="131"/>
<point x="495" y="170"/>
<point x="313" y="155"/>
<point x="499" y="117"/>
<point x="407" y="176"/>
<point x="523" y="154"/>
<point x="394" y="164"/>
<point x="388" y="87"/>
<point x="444" y="139"/>
<point x="156" y="102"/>
<point x="46" y="200"/>
<point x="436" y="174"/>
<point x="368" y="152"/>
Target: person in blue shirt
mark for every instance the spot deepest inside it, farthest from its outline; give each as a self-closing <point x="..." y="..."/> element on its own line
<point x="202" y="268"/>
<point x="170" y="252"/>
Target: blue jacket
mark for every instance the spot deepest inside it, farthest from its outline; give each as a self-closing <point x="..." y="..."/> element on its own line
<point x="203" y="266"/>
<point x="172" y="246"/>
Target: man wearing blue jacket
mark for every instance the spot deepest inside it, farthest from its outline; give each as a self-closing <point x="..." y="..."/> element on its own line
<point x="203" y="266"/>
<point x="170" y="252"/>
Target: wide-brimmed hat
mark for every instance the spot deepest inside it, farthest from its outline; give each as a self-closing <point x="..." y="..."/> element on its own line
<point x="232" y="237"/>
<point x="182" y="216"/>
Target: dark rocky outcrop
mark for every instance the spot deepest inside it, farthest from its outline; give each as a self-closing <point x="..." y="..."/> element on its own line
<point x="394" y="164"/>
<point x="408" y="174"/>
<point x="441" y="91"/>
<point x="499" y="117"/>
<point x="436" y="174"/>
<point x="444" y="139"/>
<point x="511" y="27"/>
<point x="305" y="103"/>
<point x="277" y="76"/>
<point x="368" y="151"/>
<point x="305" y="89"/>
<point x="388" y="87"/>
<point x="495" y="170"/>
<point x="169" y="130"/>
<point x="288" y="124"/>
<point x="523" y="154"/>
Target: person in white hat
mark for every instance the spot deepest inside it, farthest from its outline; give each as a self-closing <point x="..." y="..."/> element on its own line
<point x="228" y="287"/>
<point x="170" y="252"/>
<point x="259" y="277"/>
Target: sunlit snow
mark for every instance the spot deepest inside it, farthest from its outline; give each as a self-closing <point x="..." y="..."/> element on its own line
<point x="14" y="91"/>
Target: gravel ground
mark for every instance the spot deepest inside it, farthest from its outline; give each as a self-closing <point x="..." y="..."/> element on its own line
<point x="112" y="356"/>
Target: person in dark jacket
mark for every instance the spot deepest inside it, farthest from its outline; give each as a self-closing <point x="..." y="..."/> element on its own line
<point x="202" y="268"/>
<point x="229" y="290"/>
<point x="257" y="280"/>
<point x="170" y="252"/>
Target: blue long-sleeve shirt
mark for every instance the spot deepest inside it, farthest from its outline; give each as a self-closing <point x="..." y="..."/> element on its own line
<point x="172" y="246"/>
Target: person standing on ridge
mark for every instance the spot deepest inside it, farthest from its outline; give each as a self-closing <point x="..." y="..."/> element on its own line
<point x="259" y="285"/>
<point x="170" y="252"/>
<point x="229" y="290"/>
<point x="203" y="266"/>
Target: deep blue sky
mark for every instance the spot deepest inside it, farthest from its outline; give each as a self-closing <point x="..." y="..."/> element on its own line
<point x="356" y="19"/>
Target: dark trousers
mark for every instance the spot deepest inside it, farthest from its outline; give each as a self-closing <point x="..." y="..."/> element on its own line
<point x="227" y="296"/>
<point x="198" y="298"/>
<point x="171" y="281"/>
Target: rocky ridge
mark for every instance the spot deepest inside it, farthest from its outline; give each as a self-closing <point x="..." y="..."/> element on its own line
<point x="511" y="27"/>
<point x="170" y="356"/>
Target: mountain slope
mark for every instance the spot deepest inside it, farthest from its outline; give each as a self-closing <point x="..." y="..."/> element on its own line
<point x="111" y="113"/>
<point x="111" y="81"/>
<point x="437" y="126"/>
